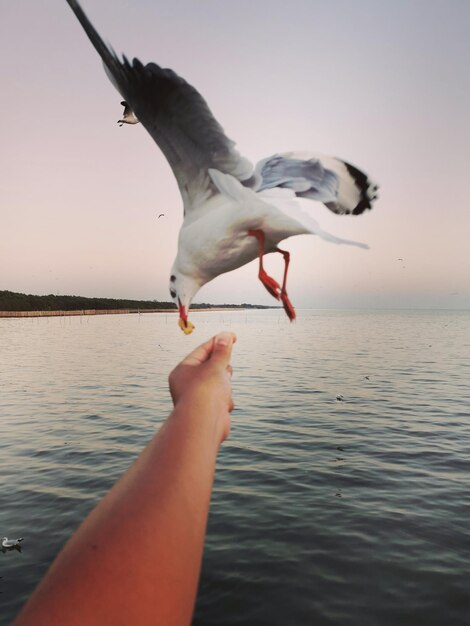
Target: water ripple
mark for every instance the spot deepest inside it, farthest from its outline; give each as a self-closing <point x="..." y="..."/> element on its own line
<point x="333" y="512"/>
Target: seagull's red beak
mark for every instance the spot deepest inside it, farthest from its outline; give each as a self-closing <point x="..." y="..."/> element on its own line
<point x="183" y="322"/>
<point x="183" y="313"/>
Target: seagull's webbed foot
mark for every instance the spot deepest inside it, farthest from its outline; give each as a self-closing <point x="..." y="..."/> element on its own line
<point x="286" y="303"/>
<point x="288" y="308"/>
<point x="273" y="287"/>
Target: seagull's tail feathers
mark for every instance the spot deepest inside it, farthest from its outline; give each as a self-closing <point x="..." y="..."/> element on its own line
<point x="287" y="213"/>
<point x="297" y="219"/>
<point x="343" y="188"/>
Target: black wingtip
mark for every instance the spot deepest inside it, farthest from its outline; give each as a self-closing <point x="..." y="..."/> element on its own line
<point x="364" y="185"/>
<point x="99" y="45"/>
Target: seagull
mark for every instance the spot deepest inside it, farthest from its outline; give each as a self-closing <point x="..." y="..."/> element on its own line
<point x="161" y="215"/>
<point x="128" y="117"/>
<point x="234" y="212"/>
<point x="11" y="543"/>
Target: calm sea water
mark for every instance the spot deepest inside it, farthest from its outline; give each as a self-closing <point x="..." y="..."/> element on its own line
<point x="352" y="512"/>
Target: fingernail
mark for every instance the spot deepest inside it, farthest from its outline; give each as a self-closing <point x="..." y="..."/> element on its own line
<point x="223" y="339"/>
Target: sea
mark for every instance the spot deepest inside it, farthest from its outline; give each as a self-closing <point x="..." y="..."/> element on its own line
<point x="341" y="497"/>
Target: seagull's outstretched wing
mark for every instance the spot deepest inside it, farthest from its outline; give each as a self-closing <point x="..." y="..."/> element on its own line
<point x="176" y="116"/>
<point x="340" y="186"/>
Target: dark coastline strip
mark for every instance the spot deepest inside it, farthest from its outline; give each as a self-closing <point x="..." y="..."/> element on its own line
<point x="100" y="312"/>
<point x="81" y="312"/>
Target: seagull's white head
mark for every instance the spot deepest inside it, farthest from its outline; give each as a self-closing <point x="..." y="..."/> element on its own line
<point x="183" y="288"/>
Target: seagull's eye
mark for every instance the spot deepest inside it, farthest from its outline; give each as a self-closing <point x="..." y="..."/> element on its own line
<point x="172" y="293"/>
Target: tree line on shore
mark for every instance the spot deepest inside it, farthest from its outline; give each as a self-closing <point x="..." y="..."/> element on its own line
<point x="13" y="301"/>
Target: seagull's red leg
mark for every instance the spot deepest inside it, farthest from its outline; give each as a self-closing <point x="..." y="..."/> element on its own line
<point x="271" y="285"/>
<point x="288" y="308"/>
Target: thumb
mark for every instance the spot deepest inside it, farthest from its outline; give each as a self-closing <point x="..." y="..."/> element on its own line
<point x="222" y="350"/>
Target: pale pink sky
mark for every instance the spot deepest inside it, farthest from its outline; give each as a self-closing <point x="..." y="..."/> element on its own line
<point x="384" y="85"/>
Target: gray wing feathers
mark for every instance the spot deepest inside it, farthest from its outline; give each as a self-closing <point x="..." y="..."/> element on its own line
<point x="109" y="58"/>
<point x="180" y="121"/>
<point x="177" y="118"/>
<point x="340" y="186"/>
<point x="307" y="177"/>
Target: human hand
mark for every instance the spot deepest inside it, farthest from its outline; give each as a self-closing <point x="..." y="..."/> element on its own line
<point x="203" y="379"/>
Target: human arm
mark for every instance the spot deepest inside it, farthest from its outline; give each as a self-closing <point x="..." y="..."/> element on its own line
<point x="136" y="558"/>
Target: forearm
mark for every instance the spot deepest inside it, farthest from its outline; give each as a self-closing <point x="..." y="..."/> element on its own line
<point x="146" y="535"/>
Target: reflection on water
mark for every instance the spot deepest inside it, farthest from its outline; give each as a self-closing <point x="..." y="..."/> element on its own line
<point x="16" y="547"/>
<point x="325" y="511"/>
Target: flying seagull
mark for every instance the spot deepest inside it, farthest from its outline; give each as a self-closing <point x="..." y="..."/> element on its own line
<point x="234" y="212"/>
<point x="128" y="116"/>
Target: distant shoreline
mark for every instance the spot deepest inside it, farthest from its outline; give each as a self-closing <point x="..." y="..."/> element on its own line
<point x="14" y="304"/>
<point x="106" y="312"/>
